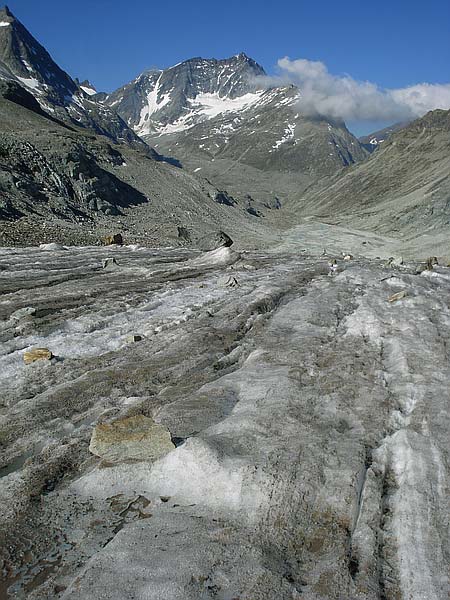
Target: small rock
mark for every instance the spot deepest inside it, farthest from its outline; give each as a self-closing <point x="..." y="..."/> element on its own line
<point x="134" y="338"/>
<point x="223" y="197"/>
<point x="333" y="266"/>
<point x="109" y="240"/>
<point x="397" y="296"/>
<point x="131" y="438"/>
<point x="110" y="263"/>
<point x="395" y="261"/>
<point x="31" y="356"/>
<point x="230" y="282"/>
<point x="431" y="261"/>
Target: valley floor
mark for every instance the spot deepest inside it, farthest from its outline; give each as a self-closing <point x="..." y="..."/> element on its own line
<point x="309" y="417"/>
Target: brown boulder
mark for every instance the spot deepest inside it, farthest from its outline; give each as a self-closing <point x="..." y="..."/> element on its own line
<point x="31" y="356"/>
<point x="115" y="238"/>
<point x="131" y="438"/>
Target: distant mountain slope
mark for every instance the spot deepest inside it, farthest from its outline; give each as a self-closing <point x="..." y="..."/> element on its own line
<point x="25" y="61"/>
<point x="404" y="186"/>
<point x="371" y="141"/>
<point x="219" y="119"/>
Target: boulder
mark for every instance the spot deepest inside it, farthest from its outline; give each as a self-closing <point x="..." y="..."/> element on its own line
<point x="224" y="240"/>
<point x="215" y="239"/>
<point x="131" y="438"/>
<point x="31" y="356"/>
<point x="223" y="197"/>
<point x="115" y="238"/>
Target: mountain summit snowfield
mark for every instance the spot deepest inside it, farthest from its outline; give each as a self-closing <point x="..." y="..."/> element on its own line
<point x="224" y="324"/>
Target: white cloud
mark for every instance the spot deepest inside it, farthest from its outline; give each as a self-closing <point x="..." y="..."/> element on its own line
<point x="343" y="97"/>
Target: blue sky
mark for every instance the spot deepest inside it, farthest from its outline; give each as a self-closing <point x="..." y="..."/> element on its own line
<point x="393" y="44"/>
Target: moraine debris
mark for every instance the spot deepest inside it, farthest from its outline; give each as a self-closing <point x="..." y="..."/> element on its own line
<point x="333" y="266"/>
<point x="395" y="261"/>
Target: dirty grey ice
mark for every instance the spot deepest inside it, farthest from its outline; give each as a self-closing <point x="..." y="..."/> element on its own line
<point x="300" y="426"/>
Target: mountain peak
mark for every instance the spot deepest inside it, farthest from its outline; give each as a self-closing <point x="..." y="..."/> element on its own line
<point x="242" y="56"/>
<point x="5" y="11"/>
<point x="6" y="16"/>
<point x="28" y="63"/>
<point x="188" y="91"/>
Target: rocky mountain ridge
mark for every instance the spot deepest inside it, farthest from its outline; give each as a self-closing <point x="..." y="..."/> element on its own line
<point x="26" y="62"/>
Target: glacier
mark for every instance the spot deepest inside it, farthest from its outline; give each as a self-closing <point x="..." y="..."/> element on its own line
<point x="309" y="416"/>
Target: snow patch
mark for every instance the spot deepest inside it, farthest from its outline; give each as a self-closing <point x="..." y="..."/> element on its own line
<point x="289" y="134"/>
<point x="211" y="105"/>
<point x="32" y="84"/>
<point x="89" y="91"/>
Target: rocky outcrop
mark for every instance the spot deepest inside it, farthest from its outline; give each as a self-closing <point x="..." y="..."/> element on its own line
<point x="64" y="179"/>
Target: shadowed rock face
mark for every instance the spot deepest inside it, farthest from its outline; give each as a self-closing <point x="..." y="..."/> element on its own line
<point x="309" y="414"/>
